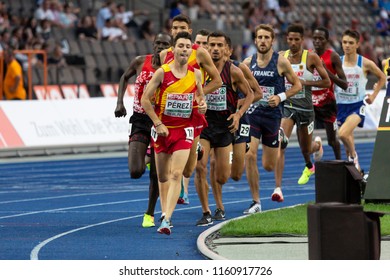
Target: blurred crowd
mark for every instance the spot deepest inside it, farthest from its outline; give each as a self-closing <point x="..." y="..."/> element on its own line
<point x="36" y="29"/>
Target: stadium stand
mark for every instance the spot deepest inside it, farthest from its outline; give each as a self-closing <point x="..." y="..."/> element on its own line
<point x="93" y="62"/>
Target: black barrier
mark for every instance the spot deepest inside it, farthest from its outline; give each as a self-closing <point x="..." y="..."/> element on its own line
<point x="339" y="231"/>
<point x="337" y="181"/>
<point x="378" y="182"/>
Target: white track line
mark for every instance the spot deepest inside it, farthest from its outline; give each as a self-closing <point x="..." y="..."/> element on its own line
<point x="35" y="252"/>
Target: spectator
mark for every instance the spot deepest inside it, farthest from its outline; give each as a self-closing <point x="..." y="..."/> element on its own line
<point x="13" y="81"/>
<point x="111" y="32"/>
<point x="86" y="29"/>
<point x="127" y="18"/>
<point x="4" y="21"/>
<point x="383" y="24"/>
<point x="174" y="9"/>
<point x="69" y="18"/>
<point x="57" y="57"/>
<point x="146" y="30"/>
<point x="105" y="13"/>
<point x="44" y="29"/>
<point x="44" y="12"/>
<point x="367" y="49"/>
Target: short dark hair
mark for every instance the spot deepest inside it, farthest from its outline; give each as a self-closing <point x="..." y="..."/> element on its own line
<point x="217" y="33"/>
<point x="182" y="35"/>
<point x="352" y="33"/>
<point x="203" y="32"/>
<point x="323" y="29"/>
<point x="182" y="18"/>
<point x="296" y="28"/>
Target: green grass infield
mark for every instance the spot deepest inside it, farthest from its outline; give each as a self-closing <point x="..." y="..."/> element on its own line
<point x="291" y="220"/>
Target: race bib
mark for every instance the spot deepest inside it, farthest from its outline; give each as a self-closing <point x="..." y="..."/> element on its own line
<point x="189" y="133"/>
<point x="179" y="105"/>
<point x="335" y="126"/>
<point x="310" y="128"/>
<point x="216" y="100"/>
<point x="130" y="127"/>
<point x="244" y="130"/>
<point x="267" y="93"/>
<point x="362" y="110"/>
<point x="153" y="133"/>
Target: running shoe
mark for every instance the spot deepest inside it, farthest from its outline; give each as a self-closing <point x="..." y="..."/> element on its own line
<point x="199" y="151"/>
<point x="164" y="227"/>
<point x="206" y="220"/>
<point x="162" y="219"/>
<point x="255" y="207"/>
<point x="318" y="155"/>
<point x="186" y="200"/>
<point x="355" y="161"/>
<point x="219" y="215"/>
<point x="148" y="221"/>
<point x="181" y="196"/>
<point x="306" y="175"/>
<point x="277" y="195"/>
<point x="282" y="139"/>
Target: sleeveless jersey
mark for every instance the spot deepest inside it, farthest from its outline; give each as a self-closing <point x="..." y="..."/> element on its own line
<point x="302" y="101"/>
<point x="175" y="98"/>
<point x="324" y="96"/>
<point x="142" y="80"/>
<point x="222" y="102"/>
<point x="357" y="82"/>
<point x="271" y="83"/>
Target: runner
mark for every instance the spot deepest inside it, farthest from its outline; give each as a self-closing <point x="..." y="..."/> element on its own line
<point x="173" y="89"/>
<point x="223" y="118"/>
<point x="140" y="124"/>
<point x="199" y="59"/>
<point x="298" y="110"/>
<point x="270" y="69"/>
<point x="350" y="102"/>
<point x="324" y="101"/>
<point x="201" y="40"/>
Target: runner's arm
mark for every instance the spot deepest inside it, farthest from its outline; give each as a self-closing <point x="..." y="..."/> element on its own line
<point x="205" y="61"/>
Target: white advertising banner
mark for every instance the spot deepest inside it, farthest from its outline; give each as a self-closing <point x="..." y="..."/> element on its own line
<point x="62" y="122"/>
<point x="88" y="121"/>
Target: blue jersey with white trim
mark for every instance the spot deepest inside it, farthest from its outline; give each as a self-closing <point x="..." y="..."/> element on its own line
<point x="271" y="83"/>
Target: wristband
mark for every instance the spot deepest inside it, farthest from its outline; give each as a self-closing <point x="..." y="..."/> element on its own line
<point x="282" y="96"/>
<point x="156" y="125"/>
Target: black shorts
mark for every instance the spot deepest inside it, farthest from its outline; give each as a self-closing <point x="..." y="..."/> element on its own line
<point x="217" y="136"/>
<point x="140" y="125"/>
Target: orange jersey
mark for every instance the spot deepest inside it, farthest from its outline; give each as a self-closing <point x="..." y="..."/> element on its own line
<point x="175" y="98"/>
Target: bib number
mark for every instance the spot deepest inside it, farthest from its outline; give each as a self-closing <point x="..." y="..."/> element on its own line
<point x="362" y="110"/>
<point x="189" y="133"/>
<point x="130" y="127"/>
<point x="153" y="133"/>
<point x="310" y="128"/>
<point x="244" y="130"/>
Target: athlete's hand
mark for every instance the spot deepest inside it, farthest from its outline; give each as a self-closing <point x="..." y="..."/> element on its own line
<point x="236" y="121"/>
<point x="162" y="130"/>
<point x="274" y="101"/>
<point x="120" y="111"/>
<point x="369" y="98"/>
<point x="202" y="107"/>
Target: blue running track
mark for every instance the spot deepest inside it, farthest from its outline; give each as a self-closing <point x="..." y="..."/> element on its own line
<point x="90" y="209"/>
